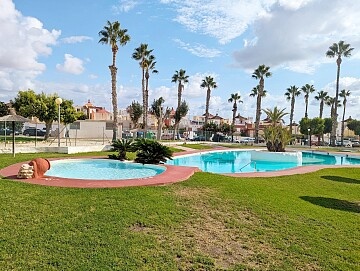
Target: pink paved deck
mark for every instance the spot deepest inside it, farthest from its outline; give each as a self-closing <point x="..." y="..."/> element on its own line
<point x="172" y="174"/>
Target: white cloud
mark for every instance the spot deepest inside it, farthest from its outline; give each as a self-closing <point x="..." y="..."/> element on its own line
<point x="197" y="49"/>
<point x="297" y="34"/>
<point x="124" y="6"/>
<point x="71" y="64"/>
<point x="26" y="40"/>
<point x="75" y="39"/>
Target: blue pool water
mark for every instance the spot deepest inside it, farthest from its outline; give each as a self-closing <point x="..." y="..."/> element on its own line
<point x="101" y="169"/>
<point x="240" y="161"/>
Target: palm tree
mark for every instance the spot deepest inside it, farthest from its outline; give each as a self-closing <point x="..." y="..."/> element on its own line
<point x="322" y="97"/>
<point x="343" y="94"/>
<point x="141" y="54"/>
<point x="259" y="74"/>
<point x="330" y="101"/>
<point x="160" y="114"/>
<point x="234" y="98"/>
<point x="275" y="115"/>
<point x="338" y="50"/>
<point x="180" y="78"/>
<point x="112" y="34"/>
<point x="291" y="93"/>
<point x="149" y="64"/>
<point x="255" y="92"/>
<point x="208" y="83"/>
<point x="307" y="90"/>
<point x="135" y="111"/>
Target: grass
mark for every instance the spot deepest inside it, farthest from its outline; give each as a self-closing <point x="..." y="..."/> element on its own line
<point x="209" y="222"/>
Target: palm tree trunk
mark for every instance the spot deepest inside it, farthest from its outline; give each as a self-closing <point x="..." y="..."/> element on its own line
<point x="143" y="93"/>
<point x="179" y="94"/>
<point x="321" y="109"/>
<point x="257" y="117"/>
<point x="113" y="71"/>
<point x="292" y="113"/>
<point x="233" y="122"/>
<point x="207" y="105"/>
<point x="343" y="126"/>
<point x="306" y="107"/>
<point x="334" y="116"/>
<point x="146" y="100"/>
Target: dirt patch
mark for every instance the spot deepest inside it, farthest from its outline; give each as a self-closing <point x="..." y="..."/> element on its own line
<point x="217" y="234"/>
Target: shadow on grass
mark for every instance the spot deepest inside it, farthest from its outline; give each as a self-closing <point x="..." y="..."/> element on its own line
<point x="336" y="204"/>
<point x="341" y="179"/>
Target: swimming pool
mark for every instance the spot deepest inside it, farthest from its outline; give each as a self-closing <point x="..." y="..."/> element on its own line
<point x="240" y="161"/>
<point x="101" y="169"/>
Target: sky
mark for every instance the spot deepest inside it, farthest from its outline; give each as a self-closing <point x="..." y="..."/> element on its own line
<point x="52" y="46"/>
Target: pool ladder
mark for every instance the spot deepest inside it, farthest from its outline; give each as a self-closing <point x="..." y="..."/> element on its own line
<point x="249" y="164"/>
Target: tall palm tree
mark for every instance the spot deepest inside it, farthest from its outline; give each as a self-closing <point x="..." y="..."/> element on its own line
<point x="255" y="92"/>
<point x="343" y="94"/>
<point x="275" y="115"/>
<point x="208" y="83"/>
<point x="140" y="54"/>
<point x="291" y="93"/>
<point x="113" y="35"/>
<point x="260" y="73"/>
<point x="322" y="97"/>
<point x="234" y="98"/>
<point x="181" y="78"/>
<point x="330" y="101"/>
<point x="157" y="109"/>
<point x="149" y="64"/>
<point x="338" y="50"/>
<point x="307" y="90"/>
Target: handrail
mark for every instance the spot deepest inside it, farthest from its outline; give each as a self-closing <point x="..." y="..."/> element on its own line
<point x="247" y="165"/>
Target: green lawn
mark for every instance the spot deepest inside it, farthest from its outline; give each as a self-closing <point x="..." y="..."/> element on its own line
<point x="209" y="222"/>
<point x="199" y="146"/>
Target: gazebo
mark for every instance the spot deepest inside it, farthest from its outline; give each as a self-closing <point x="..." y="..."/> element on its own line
<point x="13" y="118"/>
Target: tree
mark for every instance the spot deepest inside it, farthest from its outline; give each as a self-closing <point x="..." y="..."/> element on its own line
<point x="307" y="90"/>
<point x="180" y="78"/>
<point x="330" y="101"/>
<point x="322" y="97"/>
<point x="338" y="50"/>
<point x="354" y="125"/>
<point x="149" y="64"/>
<point x="180" y="112"/>
<point x="135" y="111"/>
<point x="3" y="109"/>
<point x="234" y="98"/>
<point x="43" y="106"/>
<point x="209" y="84"/>
<point x="343" y="94"/>
<point x="141" y="54"/>
<point x="291" y="93"/>
<point x="316" y="126"/>
<point x="275" y="115"/>
<point x="327" y="126"/>
<point x="112" y="34"/>
<point x="260" y="73"/>
<point x="276" y="137"/>
<point x="160" y="114"/>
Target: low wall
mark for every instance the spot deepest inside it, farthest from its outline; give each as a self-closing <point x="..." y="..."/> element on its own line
<point x="292" y="157"/>
<point x="66" y="149"/>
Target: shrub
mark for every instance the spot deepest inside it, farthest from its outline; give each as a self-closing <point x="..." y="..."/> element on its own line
<point x="149" y="151"/>
<point x="276" y="138"/>
<point x="121" y="146"/>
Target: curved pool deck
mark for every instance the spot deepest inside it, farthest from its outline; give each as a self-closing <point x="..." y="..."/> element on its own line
<point x="172" y="174"/>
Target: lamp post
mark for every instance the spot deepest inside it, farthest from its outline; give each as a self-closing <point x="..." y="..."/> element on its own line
<point x="309" y="137"/>
<point x="58" y="101"/>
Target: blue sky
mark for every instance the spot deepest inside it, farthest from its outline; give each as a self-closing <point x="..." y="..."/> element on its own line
<point x="52" y="46"/>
